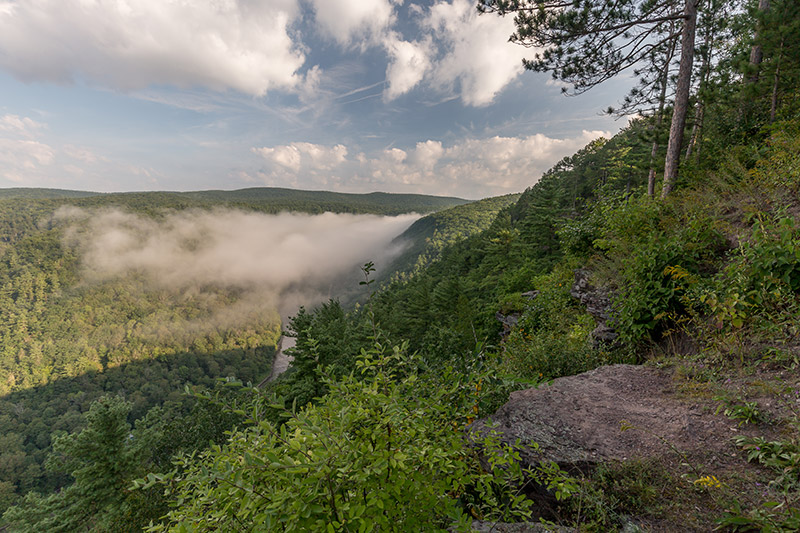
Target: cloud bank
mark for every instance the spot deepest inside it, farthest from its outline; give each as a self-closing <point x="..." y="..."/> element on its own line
<point x="255" y="47"/>
<point x="471" y="168"/>
<point x="280" y="260"/>
<point x="133" y="44"/>
<point x="21" y="153"/>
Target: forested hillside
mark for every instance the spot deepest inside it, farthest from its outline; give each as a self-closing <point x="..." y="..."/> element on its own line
<point x="69" y="339"/>
<point x="262" y="199"/>
<point x="428" y="236"/>
<point x="370" y="430"/>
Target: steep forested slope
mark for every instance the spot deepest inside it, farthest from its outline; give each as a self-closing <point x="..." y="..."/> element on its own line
<point x="366" y="432"/>
<point x="68" y="339"/>
<point x="428" y="236"/>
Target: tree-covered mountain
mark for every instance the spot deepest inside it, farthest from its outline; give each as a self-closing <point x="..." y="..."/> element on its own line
<point x="41" y="194"/>
<point x="428" y="236"/>
<point x="68" y="339"/>
<point x="263" y="199"/>
<point x="370" y="428"/>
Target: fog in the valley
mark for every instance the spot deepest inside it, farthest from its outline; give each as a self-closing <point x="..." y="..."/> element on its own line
<point x="277" y="261"/>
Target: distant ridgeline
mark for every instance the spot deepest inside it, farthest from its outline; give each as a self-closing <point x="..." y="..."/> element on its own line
<point x="65" y="342"/>
<point x="262" y="199"/>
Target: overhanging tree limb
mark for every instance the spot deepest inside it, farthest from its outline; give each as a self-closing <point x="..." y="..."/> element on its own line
<point x="586" y="42"/>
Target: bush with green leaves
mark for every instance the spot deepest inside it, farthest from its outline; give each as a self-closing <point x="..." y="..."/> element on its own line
<point x="770" y="259"/>
<point x="782" y="511"/>
<point x="641" y="239"/>
<point x="377" y="453"/>
<point x="552" y="338"/>
<point x="779" y="171"/>
<point x="755" y="297"/>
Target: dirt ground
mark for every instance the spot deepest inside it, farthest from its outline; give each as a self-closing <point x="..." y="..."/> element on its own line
<point x="622" y="413"/>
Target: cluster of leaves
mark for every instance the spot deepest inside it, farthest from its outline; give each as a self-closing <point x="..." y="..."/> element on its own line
<point x="382" y="448"/>
<point x="781" y="512"/>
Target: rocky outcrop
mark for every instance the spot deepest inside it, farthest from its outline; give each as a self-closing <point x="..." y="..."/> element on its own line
<point x="598" y="304"/>
<point x="577" y="421"/>
<point x="510" y="320"/>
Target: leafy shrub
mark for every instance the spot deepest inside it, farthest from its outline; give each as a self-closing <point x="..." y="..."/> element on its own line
<point x="783" y="512"/>
<point x="780" y="170"/>
<point x="771" y="258"/>
<point x="372" y="455"/>
<point x="551" y="338"/>
<point x="641" y="239"/>
<point x="756" y="295"/>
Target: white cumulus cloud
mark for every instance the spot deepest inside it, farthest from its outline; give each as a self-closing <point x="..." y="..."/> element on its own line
<point x="302" y="155"/>
<point x="409" y="62"/>
<point x="22" y="126"/>
<point x="351" y="22"/>
<point x="131" y="44"/>
<point x="478" y="60"/>
<point x="470" y="168"/>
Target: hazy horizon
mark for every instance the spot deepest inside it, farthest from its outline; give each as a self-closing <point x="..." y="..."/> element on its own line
<point x="229" y="190"/>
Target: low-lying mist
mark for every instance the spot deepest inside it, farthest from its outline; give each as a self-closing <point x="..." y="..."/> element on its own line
<point x="273" y="261"/>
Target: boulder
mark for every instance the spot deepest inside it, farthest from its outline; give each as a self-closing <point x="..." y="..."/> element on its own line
<point x="509" y="321"/>
<point x="577" y="421"/>
<point x="598" y="304"/>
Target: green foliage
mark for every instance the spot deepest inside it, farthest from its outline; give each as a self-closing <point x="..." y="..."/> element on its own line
<point x="66" y="343"/>
<point x="615" y="491"/>
<point x="770" y="260"/>
<point x="781" y="513"/>
<point x="656" y="252"/>
<point x="781" y="456"/>
<point x="755" y="295"/>
<point x="328" y="337"/>
<point x="777" y="517"/>
<point x="102" y="459"/>
<point x="552" y="337"/>
<point x="743" y="411"/>
<point x="378" y="452"/>
<point x="427" y="237"/>
<point x="382" y="448"/>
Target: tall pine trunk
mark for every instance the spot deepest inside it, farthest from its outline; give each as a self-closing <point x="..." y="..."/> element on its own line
<point x="776" y="78"/>
<point x="651" y="176"/>
<point x="681" y="98"/>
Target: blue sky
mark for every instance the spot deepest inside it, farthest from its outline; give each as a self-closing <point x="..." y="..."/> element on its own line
<point x="346" y="95"/>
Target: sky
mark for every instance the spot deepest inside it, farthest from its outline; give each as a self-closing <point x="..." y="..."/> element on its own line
<point x="345" y="95"/>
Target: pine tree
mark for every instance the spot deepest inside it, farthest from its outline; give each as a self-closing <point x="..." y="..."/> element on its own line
<point x="586" y="42"/>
